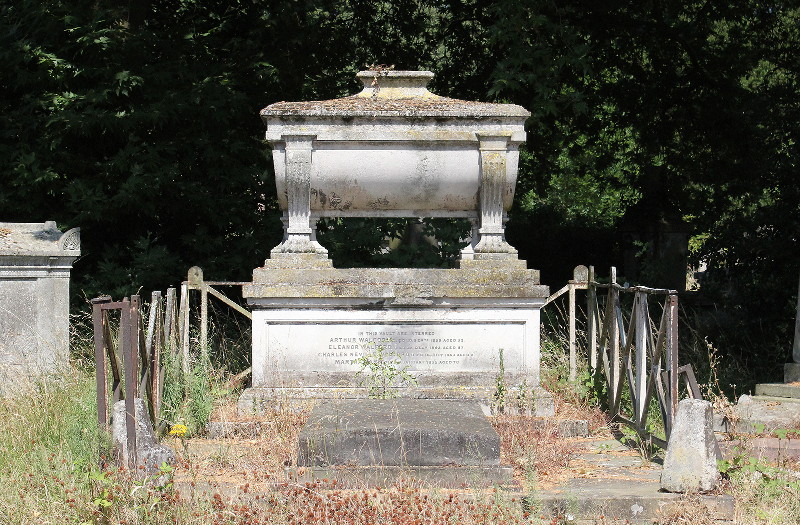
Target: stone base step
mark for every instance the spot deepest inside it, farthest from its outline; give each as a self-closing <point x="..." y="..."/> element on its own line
<point x="447" y="477"/>
<point x="784" y="390"/>
<point x="760" y="414"/>
<point x="763" y="448"/>
<point x="615" y="502"/>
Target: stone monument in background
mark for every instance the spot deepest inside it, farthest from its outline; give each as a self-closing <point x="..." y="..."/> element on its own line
<point x="396" y="150"/>
<point x="792" y="369"/>
<point x="35" y="264"/>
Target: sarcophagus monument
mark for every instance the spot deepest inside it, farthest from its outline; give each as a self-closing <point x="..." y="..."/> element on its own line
<point x="395" y="150"/>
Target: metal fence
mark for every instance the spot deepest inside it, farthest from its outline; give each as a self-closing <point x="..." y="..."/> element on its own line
<point x="631" y="344"/>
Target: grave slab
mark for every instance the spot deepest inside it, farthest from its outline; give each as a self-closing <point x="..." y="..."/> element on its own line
<point x="377" y="440"/>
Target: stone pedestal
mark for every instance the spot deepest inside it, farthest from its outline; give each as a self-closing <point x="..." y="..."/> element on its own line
<point x="35" y="264"/>
<point x="312" y="323"/>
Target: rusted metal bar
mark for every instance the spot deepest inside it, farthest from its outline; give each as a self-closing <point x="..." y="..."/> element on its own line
<point x="657" y="291"/>
<point x="129" y="353"/>
<point x="184" y="328"/>
<point x="100" y="361"/>
<point x="114" y="360"/>
<point x="115" y="305"/>
<point x="230" y="303"/>
<point x="170" y="322"/>
<point x="691" y="381"/>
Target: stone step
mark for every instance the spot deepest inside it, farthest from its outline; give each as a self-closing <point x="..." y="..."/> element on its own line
<point x="762" y="448"/>
<point x="441" y="476"/>
<point x="589" y="502"/>
<point x="784" y="390"/>
<point x="759" y="414"/>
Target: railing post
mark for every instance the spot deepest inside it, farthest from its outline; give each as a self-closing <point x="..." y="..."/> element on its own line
<point x="591" y="332"/>
<point x="204" y="319"/>
<point x="153" y="351"/>
<point x="796" y="345"/>
<point x="98" y="321"/>
<point x="613" y="328"/>
<point x="170" y="325"/>
<point x="672" y="357"/>
<point x="129" y="357"/>
<point x="573" y="361"/>
<point x="184" y="328"/>
<point x="640" y="342"/>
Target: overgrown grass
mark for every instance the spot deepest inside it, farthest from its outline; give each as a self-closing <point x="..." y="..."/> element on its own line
<point x="48" y="444"/>
<point x="51" y="454"/>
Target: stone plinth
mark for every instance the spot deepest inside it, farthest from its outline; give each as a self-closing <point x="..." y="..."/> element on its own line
<point x="35" y="263"/>
<point x="690" y="464"/>
<point x="449" y="327"/>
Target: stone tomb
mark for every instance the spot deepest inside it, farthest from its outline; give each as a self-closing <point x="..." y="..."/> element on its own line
<point x="35" y="264"/>
<point x="395" y="150"/>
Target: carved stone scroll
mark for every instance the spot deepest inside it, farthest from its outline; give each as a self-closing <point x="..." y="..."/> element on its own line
<point x="493" y="153"/>
<point x="299" y="234"/>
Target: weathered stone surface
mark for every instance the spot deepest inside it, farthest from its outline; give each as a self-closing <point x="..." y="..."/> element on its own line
<point x="778" y="390"/>
<point x="377" y="442"/>
<point x="35" y="264"/>
<point x="690" y="464"/>
<point x="791" y="372"/>
<point x="398" y="432"/>
<point x="150" y="453"/>
<point x="756" y="414"/>
<point x="395" y="150"/>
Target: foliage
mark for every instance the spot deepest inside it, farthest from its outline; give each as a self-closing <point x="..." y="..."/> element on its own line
<point x="500" y="389"/>
<point x="137" y="122"/>
<point x="382" y="373"/>
<point x="188" y="398"/>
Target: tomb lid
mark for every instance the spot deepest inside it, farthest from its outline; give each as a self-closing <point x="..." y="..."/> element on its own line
<point x="395" y="94"/>
<point x="38" y="238"/>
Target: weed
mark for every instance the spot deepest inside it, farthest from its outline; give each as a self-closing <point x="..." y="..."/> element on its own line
<point x="500" y="390"/>
<point x="382" y="373"/>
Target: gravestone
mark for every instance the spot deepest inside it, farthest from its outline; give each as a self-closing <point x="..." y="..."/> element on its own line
<point x="792" y="369"/>
<point x="395" y="150"/>
<point x="35" y="264"/>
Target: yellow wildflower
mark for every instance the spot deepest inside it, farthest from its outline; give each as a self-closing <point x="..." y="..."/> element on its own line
<point x="178" y="430"/>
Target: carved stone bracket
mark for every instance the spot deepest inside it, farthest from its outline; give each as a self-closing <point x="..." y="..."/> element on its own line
<point x="493" y="154"/>
<point x="299" y="235"/>
<point x="70" y="240"/>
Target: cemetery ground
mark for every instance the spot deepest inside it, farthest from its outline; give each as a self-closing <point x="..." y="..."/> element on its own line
<point x="51" y="473"/>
